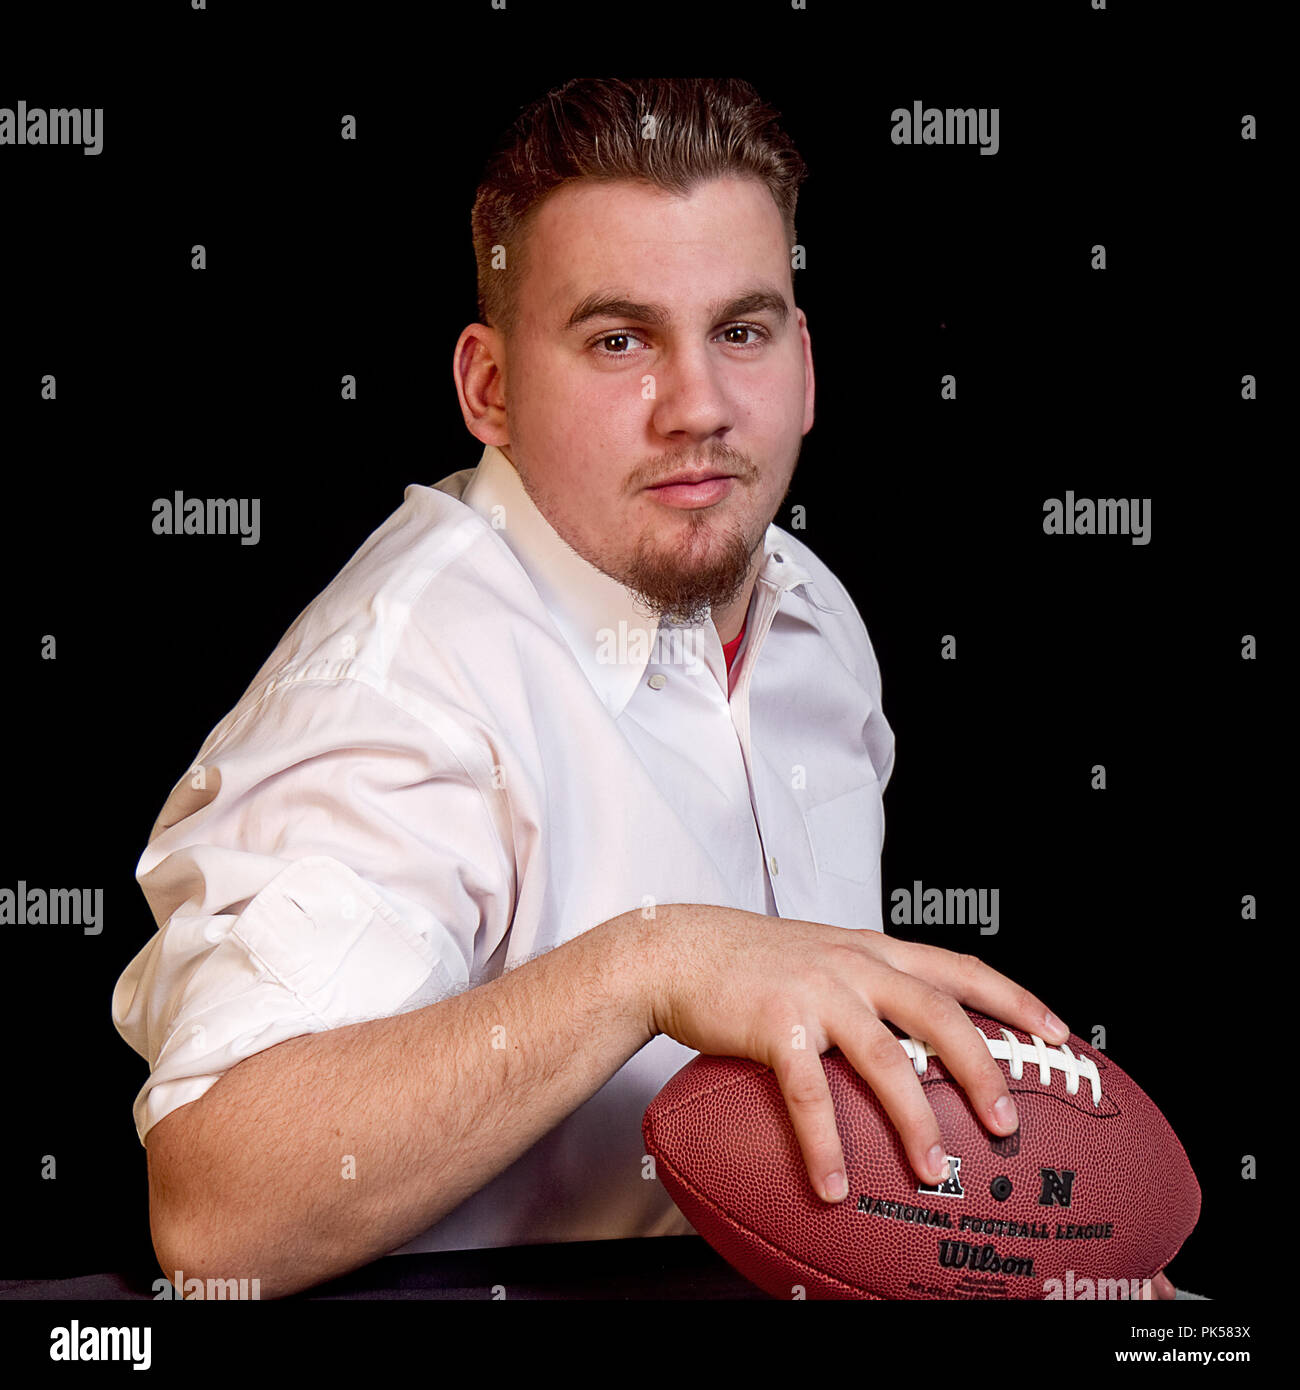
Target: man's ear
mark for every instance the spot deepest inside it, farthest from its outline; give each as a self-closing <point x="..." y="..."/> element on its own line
<point x="479" y="366"/>
<point x="808" y="389"/>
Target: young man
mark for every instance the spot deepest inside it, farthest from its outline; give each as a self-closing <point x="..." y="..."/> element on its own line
<point x="574" y="770"/>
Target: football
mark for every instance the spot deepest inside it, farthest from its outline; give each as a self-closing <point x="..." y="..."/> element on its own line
<point x="1092" y="1195"/>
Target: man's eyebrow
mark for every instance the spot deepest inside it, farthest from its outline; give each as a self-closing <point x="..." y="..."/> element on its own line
<point x="606" y="305"/>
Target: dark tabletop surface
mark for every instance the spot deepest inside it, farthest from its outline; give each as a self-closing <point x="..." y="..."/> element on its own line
<point x="673" y="1267"/>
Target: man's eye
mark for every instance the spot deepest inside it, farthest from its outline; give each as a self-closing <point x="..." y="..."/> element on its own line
<point x="622" y="344"/>
<point x="623" y="339"/>
<point x="745" y="328"/>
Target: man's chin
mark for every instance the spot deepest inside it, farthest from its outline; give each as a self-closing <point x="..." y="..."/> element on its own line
<point x="687" y="605"/>
<point x="701" y="568"/>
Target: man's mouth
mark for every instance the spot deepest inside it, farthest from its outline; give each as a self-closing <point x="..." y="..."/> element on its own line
<point x="698" y="489"/>
<point x="687" y="476"/>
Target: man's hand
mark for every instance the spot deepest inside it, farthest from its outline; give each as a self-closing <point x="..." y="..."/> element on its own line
<point x="782" y="991"/>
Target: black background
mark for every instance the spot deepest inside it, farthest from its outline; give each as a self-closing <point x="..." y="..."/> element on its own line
<point x="1121" y="908"/>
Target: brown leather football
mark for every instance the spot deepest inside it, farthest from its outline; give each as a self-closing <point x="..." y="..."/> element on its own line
<point x="1091" y="1196"/>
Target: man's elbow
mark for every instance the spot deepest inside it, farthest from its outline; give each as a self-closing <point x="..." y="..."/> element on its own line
<point x="211" y="1247"/>
<point x="202" y="1266"/>
<point x="183" y="1254"/>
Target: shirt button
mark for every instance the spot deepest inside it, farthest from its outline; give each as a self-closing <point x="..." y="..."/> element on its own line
<point x="772" y="862"/>
<point x="657" y="682"/>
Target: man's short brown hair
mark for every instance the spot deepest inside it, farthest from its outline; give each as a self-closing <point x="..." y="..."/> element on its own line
<point x="597" y="128"/>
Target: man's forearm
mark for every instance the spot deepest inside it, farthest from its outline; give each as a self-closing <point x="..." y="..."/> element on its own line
<point x="424" y="1108"/>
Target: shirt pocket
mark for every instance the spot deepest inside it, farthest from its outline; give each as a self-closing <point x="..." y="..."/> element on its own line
<point x="846" y="833"/>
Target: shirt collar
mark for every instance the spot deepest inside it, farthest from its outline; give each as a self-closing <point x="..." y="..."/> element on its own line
<point x="591" y="609"/>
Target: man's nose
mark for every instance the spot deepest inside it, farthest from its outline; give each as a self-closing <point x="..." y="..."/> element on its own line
<point x="690" y="396"/>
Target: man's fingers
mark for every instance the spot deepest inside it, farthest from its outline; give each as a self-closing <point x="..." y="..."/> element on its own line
<point x="937" y="1018"/>
<point x="924" y="993"/>
<point x="812" y="1113"/>
<point x="878" y="1057"/>
<point x="979" y="987"/>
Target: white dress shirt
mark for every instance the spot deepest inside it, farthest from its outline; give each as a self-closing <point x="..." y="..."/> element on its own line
<point x="455" y="759"/>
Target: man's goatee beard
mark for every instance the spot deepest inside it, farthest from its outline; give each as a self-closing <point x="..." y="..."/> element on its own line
<point x="680" y="596"/>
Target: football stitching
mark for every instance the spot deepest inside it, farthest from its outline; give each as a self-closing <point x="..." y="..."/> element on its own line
<point x="692" y="1096"/>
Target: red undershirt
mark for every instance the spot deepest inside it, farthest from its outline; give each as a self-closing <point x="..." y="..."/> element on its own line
<point x="729" y="649"/>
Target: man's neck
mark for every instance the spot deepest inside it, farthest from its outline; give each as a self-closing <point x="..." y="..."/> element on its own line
<point x="731" y="619"/>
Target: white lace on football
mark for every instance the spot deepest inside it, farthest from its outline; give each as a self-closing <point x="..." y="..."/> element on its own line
<point x="1009" y="1048"/>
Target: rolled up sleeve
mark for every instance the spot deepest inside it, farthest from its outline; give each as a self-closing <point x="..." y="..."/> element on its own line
<point x="328" y="860"/>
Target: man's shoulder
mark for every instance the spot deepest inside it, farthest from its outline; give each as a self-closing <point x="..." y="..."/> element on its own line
<point x="432" y="581"/>
<point x="429" y="545"/>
